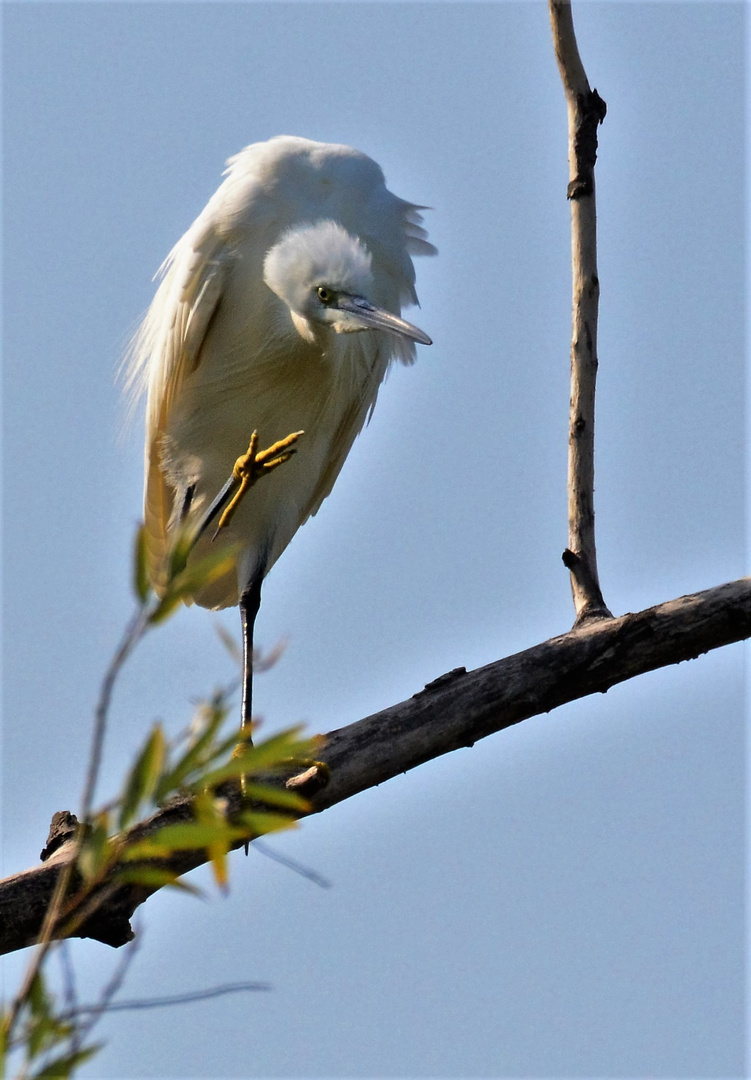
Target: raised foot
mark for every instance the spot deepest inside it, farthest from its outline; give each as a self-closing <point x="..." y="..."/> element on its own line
<point x="252" y="465"/>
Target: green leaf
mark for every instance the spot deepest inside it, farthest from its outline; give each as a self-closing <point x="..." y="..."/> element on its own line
<point x="4" y="1031"/>
<point x="144" y="776"/>
<point x="192" y="578"/>
<point x="195" y="835"/>
<point x="96" y="851"/>
<point x="208" y="809"/>
<point x="282" y="751"/>
<point x="205" y="571"/>
<point x="141" y="585"/>
<point x="210" y="812"/>
<point x="167" y="606"/>
<point x="153" y="876"/>
<point x="37" y="1037"/>
<point x="196" y="755"/>
<point x="231" y="743"/>
<point x="43" y="1029"/>
<point x="181" y="549"/>
<point x="260" y="822"/>
<point x="274" y="796"/>
<point x="62" y="1067"/>
<point x="38" y="998"/>
<point x="219" y="866"/>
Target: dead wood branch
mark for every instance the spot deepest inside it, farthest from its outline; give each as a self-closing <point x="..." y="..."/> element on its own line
<point x="586" y="111"/>
<point x="454" y="711"/>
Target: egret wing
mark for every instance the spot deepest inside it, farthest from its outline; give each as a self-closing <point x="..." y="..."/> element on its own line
<point x="166" y="350"/>
<point x="348" y="428"/>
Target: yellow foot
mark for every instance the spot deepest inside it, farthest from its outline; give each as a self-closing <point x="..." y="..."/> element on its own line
<point x="252" y="465"/>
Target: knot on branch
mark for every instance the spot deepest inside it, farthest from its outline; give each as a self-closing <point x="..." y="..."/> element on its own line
<point x="591" y="603"/>
<point x="590" y="113"/>
<point x="62" y="828"/>
<point x="314" y="779"/>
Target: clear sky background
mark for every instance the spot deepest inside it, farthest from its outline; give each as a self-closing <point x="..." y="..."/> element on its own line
<point x="566" y="898"/>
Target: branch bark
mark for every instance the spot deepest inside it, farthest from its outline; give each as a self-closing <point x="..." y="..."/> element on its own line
<point x="586" y="111"/>
<point x="453" y="711"/>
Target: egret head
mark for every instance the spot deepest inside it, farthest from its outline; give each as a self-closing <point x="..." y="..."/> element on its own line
<point x="324" y="276"/>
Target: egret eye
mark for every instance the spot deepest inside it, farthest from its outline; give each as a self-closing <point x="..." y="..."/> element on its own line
<point x="324" y="295"/>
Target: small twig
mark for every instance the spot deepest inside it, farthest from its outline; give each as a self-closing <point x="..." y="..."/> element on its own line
<point x="133" y="633"/>
<point x="292" y="864"/>
<point x="70" y="995"/>
<point x="105" y="1003"/>
<point x="586" y="110"/>
<point x="174" y="999"/>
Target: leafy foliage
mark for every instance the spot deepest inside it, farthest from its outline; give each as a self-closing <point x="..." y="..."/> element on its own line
<point x="49" y="1038"/>
<point x="118" y="845"/>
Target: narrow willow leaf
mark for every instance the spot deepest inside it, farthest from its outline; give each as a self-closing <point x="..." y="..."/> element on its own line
<point x="37" y="1037"/>
<point x="207" y="809"/>
<point x="62" y="1067"/>
<point x="274" y="796"/>
<point x="38" y="998"/>
<point x="95" y="850"/>
<point x="189" y="580"/>
<point x="197" y="754"/>
<point x="259" y="822"/>
<point x="167" y="606"/>
<point x="232" y="742"/>
<point x="140" y="574"/>
<point x="191" y="836"/>
<point x="210" y="813"/>
<point x="204" y="572"/>
<point x="153" y="876"/>
<point x="218" y="856"/>
<point x="143" y="777"/>
<point x="281" y="751"/>
<point x="43" y="1035"/>
<point x="178" y="557"/>
<point x="43" y="1032"/>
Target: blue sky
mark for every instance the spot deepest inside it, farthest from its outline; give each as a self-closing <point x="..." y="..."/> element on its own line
<point x="565" y="899"/>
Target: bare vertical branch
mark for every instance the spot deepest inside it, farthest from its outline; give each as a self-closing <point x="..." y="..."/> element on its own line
<point x="586" y="110"/>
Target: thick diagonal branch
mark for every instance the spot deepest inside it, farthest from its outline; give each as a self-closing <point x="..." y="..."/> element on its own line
<point x="586" y="110"/>
<point x="454" y="711"/>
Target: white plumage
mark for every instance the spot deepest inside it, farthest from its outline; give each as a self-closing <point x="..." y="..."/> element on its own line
<point x="228" y="345"/>
<point x="278" y="312"/>
<point x="238" y="338"/>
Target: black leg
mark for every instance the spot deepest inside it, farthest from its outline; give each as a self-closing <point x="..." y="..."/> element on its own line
<point x="250" y="601"/>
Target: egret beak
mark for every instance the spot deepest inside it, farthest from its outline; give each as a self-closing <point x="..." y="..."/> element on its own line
<point x="365" y="316"/>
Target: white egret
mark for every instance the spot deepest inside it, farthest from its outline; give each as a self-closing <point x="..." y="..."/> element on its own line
<point x="278" y="312"/>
